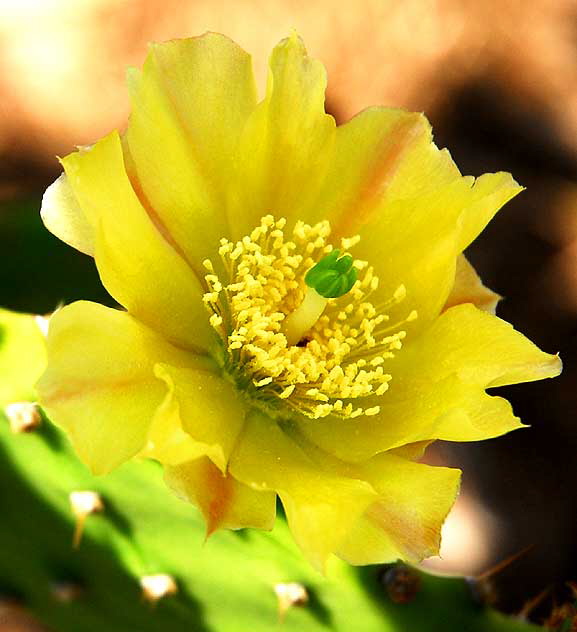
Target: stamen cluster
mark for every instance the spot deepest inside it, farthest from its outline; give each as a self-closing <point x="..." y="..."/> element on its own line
<point x="337" y="363"/>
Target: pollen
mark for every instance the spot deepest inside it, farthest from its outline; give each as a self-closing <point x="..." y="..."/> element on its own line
<point x="337" y="365"/>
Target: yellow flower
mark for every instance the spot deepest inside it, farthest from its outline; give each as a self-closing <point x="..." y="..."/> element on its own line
<point x="252" y="358"/>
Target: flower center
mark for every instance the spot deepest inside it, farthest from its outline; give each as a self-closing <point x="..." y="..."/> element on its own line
<point x="298" y="332"/>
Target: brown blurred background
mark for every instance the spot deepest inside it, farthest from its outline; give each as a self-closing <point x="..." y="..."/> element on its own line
<point x="498" y="79"/>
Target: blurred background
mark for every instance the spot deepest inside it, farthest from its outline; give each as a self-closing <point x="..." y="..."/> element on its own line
<point x="498" y="80"/>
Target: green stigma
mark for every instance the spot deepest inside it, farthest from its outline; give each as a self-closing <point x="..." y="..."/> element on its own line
<point x="332" y="276"/>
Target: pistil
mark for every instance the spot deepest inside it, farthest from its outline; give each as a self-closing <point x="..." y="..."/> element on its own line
<point x="331" y="277"/>
<point x="297" y="323"/>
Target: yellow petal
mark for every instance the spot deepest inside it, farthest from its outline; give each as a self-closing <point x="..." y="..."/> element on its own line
<point x="321" y="507"/>
<point x="189" y="106"/>
<point x="468" y="288"/>
<point x="416" y="241"/>
<point x="448" y="409"/>
<point x="139" y="264"/>
<point x="411" y="451"/>
<point x="22" y="356"/>
<point x="201" y="415"/>
<point x="413" y="242"/>
<point x="408" y="201"/>
<point x="479" y="347"/>
<point x="389" y="183"/>
<point x="224" y="502"/>
<point x="100" y="384"/>
<point x="381" y="155"/>
<point x="405" y="522"/>
<point x="490" y="193"/>
<point x="64" y="218"/>
<point x="392" y="185"/>
<point x="437" y="390"/>
<point x="287" y="142"/>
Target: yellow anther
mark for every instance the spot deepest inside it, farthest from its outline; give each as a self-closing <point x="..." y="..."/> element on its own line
<point x="348" y="242"/>
<point x="263" y="382"/>
<point x="215" y="320"/>
<point x="382" y="389"/>
<point x="400" y="293"/>
<point x="288" y="391"/>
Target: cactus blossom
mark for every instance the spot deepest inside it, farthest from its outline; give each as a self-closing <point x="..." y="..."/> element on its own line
<point x="298" y="317"/>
